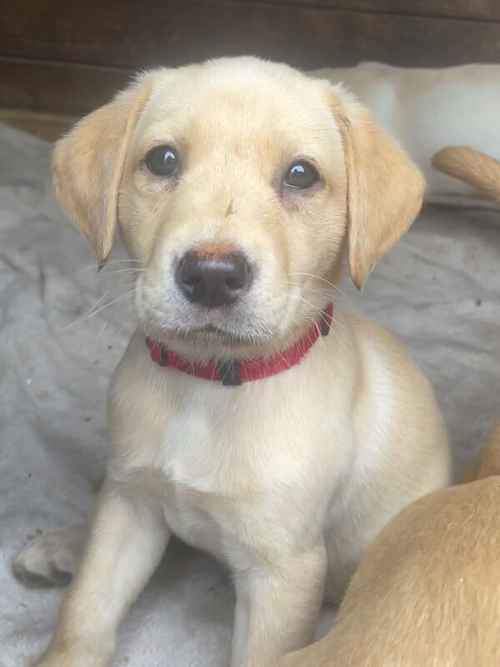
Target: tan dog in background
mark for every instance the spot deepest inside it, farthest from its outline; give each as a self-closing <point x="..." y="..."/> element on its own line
<point x="426" y="592"/>
<point x="240" y="187"/>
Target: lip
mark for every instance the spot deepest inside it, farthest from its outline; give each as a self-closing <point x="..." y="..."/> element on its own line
<point x="211" y="333"/>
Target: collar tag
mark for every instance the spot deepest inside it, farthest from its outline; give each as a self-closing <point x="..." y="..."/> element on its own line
<point x="325" y="320"/>
<point x="230" y="372"/>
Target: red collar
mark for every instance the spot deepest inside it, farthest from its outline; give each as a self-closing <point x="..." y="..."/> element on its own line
<point x="235" y="372"/>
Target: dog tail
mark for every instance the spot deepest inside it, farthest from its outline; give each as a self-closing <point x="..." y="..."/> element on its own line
<point x="487" y="463"/>
<point x="477" y="169"/>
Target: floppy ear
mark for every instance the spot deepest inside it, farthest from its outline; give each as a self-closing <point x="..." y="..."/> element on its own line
<point x="384" y="187"/>
<point x="88" y="166"/>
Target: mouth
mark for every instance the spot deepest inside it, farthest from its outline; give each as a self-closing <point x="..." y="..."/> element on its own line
<point x="213" y="334"/>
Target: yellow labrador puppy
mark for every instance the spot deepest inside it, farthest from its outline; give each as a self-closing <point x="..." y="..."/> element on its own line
<point x="249" y="416"/>
<point x="426" y="592"/>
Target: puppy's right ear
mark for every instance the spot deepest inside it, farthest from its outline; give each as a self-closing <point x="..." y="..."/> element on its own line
<point x="88" y="166"/>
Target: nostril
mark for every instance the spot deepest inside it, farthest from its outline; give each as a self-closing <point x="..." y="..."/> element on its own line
<point x="238" y="272"/>
<point x="235" y="282"/>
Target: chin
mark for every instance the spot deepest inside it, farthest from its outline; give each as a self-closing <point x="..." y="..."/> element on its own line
<point x="209" y="341"/>
<point x="211" y="334"/>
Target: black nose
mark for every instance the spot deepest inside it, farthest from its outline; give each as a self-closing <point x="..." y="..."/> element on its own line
<point x="213" y="280"/>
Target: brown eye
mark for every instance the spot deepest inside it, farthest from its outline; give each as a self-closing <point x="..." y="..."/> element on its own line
<point x="163" y="161"/>
<point x="301" y="175"/>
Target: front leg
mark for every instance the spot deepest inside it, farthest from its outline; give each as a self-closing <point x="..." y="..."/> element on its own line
<point x="277" y="607"/>
<point x="127" y="539"/>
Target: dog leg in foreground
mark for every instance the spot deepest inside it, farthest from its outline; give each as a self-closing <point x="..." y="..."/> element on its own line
<point x="127" y="540"/>
<point x="277" y="607"/>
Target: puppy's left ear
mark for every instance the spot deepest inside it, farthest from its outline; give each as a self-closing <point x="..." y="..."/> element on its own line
<point x="384" y="187"/>
<point x="88" y="165"/>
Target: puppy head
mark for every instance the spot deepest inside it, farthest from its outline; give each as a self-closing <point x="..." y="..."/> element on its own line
<point x="238" y="185"/>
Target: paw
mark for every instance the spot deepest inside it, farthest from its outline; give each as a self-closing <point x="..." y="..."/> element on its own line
<point x="65" y="660"/>
<point x="51" y="661"/>
<point x="51" y="559"/>
<point x="60" y="660"/>
<point x="96" y="652"/>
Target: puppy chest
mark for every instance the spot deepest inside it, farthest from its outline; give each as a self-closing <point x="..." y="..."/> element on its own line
<point x="197" y="471"/>
<point x="215" y="496"/>
<point x="192" y="451"/>
<point x="210" y="517"/>
<point x="234" y="473"/>
<point x="234" y="528"/>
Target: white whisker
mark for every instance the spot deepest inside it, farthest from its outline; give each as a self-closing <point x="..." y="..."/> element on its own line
<point x="96" y="308"/>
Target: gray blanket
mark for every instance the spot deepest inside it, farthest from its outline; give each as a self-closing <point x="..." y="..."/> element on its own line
<point x="59" y="341"/>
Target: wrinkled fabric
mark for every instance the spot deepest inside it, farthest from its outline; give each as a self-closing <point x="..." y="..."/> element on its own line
<point x="439" y="290"/>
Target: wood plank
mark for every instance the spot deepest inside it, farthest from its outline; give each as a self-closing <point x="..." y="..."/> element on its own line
<point x="485" y="10"/>
<point x="55" y="87"/>
<point x="44" y="125"/>
<point x="125" y="33"/>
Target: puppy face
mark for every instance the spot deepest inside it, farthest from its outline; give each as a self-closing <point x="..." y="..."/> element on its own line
<point x="255" y="190"/>
<point x="237" y="185"/>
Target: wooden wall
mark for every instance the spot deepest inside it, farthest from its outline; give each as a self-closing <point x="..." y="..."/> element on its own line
<point x="67" y="57"/>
